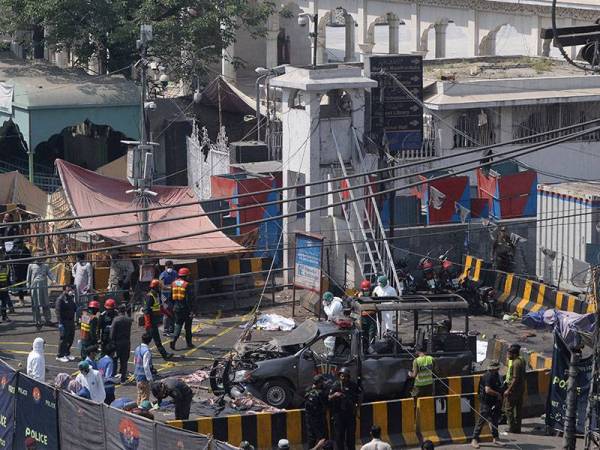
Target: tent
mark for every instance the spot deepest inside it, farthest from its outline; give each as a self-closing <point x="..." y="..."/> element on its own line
<point x="15" y="188"/>
<point x="90" y="193"/>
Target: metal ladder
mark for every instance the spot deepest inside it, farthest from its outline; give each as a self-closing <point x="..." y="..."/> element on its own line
<point x="373" y="253"/>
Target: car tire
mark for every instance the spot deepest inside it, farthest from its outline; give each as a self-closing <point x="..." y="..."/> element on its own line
<point x="277" y="393"/>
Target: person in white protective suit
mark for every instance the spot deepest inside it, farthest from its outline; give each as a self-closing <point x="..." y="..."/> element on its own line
<point x="37" y="282"/>
<point x="36" y="361"/>
<point x="334" y="309"/>
<point x="383" y="289"/>
<point x="83" y="278"/>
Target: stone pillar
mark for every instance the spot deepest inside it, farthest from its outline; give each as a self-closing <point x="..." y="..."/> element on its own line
<point x="350" y="44"/>
<point x="365" y="49"/>
<point x="393" y="25"/>
<point x="416" y="18"/>
<point x="271" y="40"/>
<point x="473" y="30"/>
<point x="440" y="39"/>
<point x="321" y="47"/>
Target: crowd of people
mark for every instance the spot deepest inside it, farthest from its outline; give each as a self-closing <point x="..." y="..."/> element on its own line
<point x="105" y="340"/>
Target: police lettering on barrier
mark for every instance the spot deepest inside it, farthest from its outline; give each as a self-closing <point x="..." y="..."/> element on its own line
<point x="39" y="437"/>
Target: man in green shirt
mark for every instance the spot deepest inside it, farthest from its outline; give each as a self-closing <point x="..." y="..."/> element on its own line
<point x="422" y="372"/>
<point x="515" y="388"/>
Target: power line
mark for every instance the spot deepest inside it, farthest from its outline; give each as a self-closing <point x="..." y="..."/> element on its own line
<point x="314" y="183"/>
<point x="523" y="150"/>
<point x="314" y="209"/>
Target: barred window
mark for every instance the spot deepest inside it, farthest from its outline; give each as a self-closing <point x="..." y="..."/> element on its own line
<point x="535" y="119"/>
<point x="474" y="127"/>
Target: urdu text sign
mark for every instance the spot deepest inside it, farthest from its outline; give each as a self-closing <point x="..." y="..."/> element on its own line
<point x="308" y="262"/>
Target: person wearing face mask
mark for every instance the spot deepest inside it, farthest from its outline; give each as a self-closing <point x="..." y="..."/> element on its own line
<point x="167" y="277"/>
<point x="66" y="308"/>
<point x="383" y="289"/>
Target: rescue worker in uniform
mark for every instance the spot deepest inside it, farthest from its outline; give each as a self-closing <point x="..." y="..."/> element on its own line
<point x="181" y="294"/>
<point x="167" y="277"/>
<point x="515" y="388"/>
<point x="368" y="319"/>
<point x="344" y="398"/>
<point x="334" y="309"/>
<point x="106" y="319"/>
<point x="180" y="393"/>
<point x="422" y="372"/>
<point x="153" y="312"/>
<point x="88" y="332"/>
<point x="315" y="405"/>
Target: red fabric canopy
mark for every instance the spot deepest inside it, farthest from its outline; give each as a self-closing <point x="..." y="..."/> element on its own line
<point x="90" y="193"/>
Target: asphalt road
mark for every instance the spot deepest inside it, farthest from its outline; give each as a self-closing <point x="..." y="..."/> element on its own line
<point x="215" y="335"/>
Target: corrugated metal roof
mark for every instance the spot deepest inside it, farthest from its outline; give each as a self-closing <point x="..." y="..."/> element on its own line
<point x="587" y="191"/>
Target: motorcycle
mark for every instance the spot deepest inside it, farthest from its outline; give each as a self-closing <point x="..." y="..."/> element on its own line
<point x="429" y="281"/>
<point x="447" y="274"/>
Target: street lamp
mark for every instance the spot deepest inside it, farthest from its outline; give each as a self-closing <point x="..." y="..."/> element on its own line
<point x="303" y="20"/>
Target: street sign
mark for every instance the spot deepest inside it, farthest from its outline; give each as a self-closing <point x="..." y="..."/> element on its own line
<point x="308" y="276"/>
<point x="396" y="116"/>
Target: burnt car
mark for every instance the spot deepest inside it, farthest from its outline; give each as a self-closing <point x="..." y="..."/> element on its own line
<point x="279" y="372"/>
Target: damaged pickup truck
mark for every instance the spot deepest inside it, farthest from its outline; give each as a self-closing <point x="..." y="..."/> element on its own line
<point x="279" y="372"/>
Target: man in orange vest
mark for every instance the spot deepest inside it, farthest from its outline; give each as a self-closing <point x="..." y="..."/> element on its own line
<point x="89" y="329"/>
<point x="182" y="295"/>
<point x="153" y="312"/>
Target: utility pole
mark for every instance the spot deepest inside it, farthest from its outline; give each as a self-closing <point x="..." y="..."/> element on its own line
<point x="570" y="434"/>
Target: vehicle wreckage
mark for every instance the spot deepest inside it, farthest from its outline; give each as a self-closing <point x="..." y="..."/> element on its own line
<point x="280" y="371"/>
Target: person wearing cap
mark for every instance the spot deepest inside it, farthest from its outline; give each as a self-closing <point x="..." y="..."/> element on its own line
<point x="182" y="295"/>
<point x="383" y="289"/>
<point x="368" y="318"/>
<point x="120" y="336"/>
<point x="315" y="404"/>
<point x="92" y="386"/>
<point x="180" y="393"/>
<point x="515" y="388"/>
<point x="167" y="277"/>
<point x="490" y="403"/>
<point x="344" y="400"/>
<point x="105" y="321"/>
<point x="422" y="372"/>
<point x="376" y="443"/>
<point x="38" y="274"/>
<point x="65" y="308"/>
<point x="153" y="312"/>
<point x="89" y="327"/>
<point x="142" y="359"/>
<point x="283" y="444"/>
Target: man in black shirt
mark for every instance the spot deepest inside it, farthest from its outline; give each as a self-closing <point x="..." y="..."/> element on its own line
<point x="65" y="315"/>
<point x="120" y="336"/>
<point x="316" y="411"/>
<point x="490" y="403"/>
<point x="344" y="399"/>
<point x="180" y="393"/>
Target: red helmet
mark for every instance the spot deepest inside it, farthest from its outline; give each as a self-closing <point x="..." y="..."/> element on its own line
<point x="446" y="264"/>
<point x="427" y="264"/>
<point x="365" y="285"/>
<point x="183" y="272"/>
<point x="110" y="304"/>
<point x="154" y="283"/>
<point x="94" y="304"/>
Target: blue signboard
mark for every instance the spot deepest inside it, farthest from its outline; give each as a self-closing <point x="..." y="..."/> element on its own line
<point x="307" y="264"/>
<point x="37" y="417"/>
<point x="8" y="383"/>
<point x="397" y="115"/>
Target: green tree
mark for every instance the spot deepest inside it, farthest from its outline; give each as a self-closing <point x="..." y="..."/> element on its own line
<point x="188" y="34"/>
